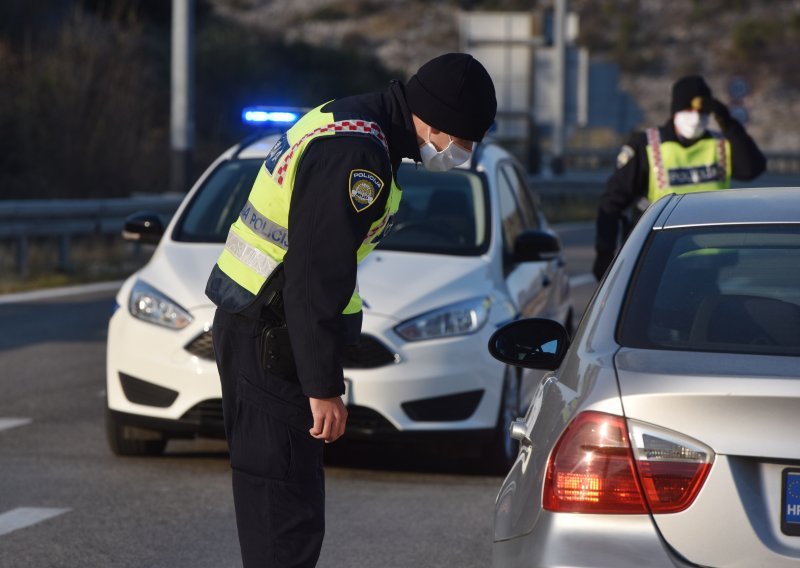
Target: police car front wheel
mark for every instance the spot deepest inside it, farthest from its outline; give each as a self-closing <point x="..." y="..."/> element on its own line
<point x="125" y="440"/>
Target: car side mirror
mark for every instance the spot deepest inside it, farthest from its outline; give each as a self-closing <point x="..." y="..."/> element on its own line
<point x="143" y="227"/>
<point x="533" y="343"/>
<point x="536" y="245"/>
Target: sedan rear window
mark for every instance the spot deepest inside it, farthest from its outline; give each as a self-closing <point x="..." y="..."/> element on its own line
<point x="717" y="289"/>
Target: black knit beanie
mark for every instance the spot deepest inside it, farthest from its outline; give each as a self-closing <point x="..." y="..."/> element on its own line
<point x="454" y="93"/>
<point x="685" y="90"/>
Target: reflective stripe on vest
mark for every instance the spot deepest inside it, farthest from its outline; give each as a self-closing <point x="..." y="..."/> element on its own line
<point x="258" y="239"/>
<point x="703" y="166"/>
<point x="340" y="127"/>
<point x="260" y="262"/>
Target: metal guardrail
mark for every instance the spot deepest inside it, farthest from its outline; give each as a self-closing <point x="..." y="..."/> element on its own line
<point x="63" y="219"/>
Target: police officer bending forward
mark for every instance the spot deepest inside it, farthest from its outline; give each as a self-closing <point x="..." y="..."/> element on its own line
<point x="285" y="287"/>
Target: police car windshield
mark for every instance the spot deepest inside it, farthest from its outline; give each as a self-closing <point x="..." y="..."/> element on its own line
<point x="219" y="201"/>
<point x="440" y="213"/>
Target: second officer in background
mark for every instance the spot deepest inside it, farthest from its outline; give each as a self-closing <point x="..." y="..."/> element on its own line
<point x="681" y="156"/>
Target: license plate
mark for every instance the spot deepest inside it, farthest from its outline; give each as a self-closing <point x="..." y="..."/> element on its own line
<point x="790" y="503"/>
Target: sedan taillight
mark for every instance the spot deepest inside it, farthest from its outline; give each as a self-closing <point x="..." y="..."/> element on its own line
<point x="672" y="467"/>
<point x="596" y="467"/>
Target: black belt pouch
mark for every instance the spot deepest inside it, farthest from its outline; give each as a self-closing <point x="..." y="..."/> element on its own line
<point x="276" y="352"/>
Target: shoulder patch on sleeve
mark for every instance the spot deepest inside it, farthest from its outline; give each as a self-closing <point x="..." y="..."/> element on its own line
<point x="624" y="156"/>
<point x="365" y="187"/>
<point x="278" y="150"/>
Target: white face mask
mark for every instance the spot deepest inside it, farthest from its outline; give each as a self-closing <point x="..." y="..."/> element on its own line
<point x="436" y="161"/>
<point x="690" y="124"/>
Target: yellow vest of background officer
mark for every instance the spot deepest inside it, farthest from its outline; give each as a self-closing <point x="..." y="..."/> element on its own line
<point x="703" y="166"/>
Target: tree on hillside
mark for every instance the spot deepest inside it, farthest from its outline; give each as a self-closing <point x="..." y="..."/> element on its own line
<point x="84" y="93"/>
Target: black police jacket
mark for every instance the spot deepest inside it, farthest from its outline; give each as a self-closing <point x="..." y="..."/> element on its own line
<point x="325" y="232"/>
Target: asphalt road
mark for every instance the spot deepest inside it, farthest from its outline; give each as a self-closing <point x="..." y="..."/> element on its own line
<point x="65" y="501"/>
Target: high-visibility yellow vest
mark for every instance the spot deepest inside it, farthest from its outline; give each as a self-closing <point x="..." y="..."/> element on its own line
<point x="258" y="240"/>
<point x="703" y="166"/>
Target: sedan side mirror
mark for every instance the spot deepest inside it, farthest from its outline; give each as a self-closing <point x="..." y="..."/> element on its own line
<point x="533" y="245"/>
<point x="143" y="227"/>
<point x="531" y="343"/>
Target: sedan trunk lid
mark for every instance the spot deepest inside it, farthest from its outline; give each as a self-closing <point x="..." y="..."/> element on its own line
<point x="747" y="409"/>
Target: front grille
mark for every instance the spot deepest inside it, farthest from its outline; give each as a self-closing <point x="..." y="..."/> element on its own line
<point x="444" y="408"/>
<point x="202" y="346"/>
<point x="368" y="353"/>
<point x="143" y="392"/>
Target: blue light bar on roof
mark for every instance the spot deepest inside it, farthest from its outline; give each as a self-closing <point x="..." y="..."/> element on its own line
<point x="262" y="116"/>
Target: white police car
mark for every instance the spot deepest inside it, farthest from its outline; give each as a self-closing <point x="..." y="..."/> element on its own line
<point x="469" y="251"/>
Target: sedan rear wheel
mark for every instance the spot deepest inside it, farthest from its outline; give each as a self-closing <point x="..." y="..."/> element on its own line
<point x="130" y="441"/>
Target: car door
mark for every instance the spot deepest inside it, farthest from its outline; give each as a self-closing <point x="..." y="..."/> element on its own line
<point x="527" y="282"/>
<point x="556" y="281"/>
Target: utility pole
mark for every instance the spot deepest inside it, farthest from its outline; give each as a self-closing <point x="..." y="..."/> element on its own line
<point x="182" y="95"/>
<point x="559" y="86"/>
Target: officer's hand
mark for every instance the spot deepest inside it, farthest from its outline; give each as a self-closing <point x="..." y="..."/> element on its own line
<point x="721" y="113"/>
<point x="330" y="418"/>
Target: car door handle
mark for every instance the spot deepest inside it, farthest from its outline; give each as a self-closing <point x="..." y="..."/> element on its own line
<point x="519" y="431"/>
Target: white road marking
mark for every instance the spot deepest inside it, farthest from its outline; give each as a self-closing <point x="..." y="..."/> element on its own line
<point x="581" y="280"/>
<point x="59" y="292"/>
<point x="7" y="423"/>
<point x="22" y="517"/>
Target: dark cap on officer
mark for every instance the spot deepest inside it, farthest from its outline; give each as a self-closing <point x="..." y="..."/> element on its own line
<point x="691" y="93"/>
<point x="455" y="94"/>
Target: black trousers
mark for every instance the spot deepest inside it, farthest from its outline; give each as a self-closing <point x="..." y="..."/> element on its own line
<point x="278" y="481"/>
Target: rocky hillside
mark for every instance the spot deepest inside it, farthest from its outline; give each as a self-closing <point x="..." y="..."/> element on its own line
<point x="654" y="42"/>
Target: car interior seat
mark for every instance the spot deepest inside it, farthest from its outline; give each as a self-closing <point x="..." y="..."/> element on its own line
<point x="730" y="320"/>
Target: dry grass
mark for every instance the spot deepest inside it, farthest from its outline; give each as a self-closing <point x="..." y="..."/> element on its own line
<point x="95" y="259"/>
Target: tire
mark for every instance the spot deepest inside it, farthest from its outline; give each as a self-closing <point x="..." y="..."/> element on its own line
<point x="129" y="441"/>
<point x="502" y="449"/>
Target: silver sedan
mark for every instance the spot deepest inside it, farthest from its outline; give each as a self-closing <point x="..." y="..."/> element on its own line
<point x="667" y="432"/>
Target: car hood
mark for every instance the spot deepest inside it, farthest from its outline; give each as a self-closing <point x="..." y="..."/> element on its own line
<point x="743" y="405"/>
<point x="393" y="284"/>
<point x="404" y="284"/>
<point x="180" y="270"/>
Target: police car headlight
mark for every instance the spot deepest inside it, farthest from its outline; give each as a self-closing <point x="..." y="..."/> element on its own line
<point x="148" y="304"/>
<point x="456" y="319"/>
